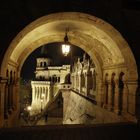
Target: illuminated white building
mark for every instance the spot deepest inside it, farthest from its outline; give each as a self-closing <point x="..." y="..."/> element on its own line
<point x="47" y="83"/>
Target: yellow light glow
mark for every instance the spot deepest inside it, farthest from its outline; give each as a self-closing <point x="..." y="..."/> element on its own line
<point x="43" y="95"/>
<point x="29" y="108"/>
<point x="65" y="49"/>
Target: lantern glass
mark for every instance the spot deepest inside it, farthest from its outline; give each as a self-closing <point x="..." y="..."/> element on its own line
<point x="65" y="49"/>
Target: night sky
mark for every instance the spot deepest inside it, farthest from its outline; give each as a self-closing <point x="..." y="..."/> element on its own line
<point x="53" y="51"/>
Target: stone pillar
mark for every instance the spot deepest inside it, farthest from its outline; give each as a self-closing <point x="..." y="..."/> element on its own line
<point x="46" y="93"/>
<point x="36" y="93"/>
<point x="33" y="93"/>
<point x="72" y="80"/>
<point x="9" y="98"/>
<point x="80" y="82"/>
<point x="49" y="94"/>
<point x="87" y="84"/>
<point x="13" y="96"/>
<point x="6" y="102"/>
<point x="132" y="96"/>
<point x="105" y="95"/>
<point x="100" y="94"/>
<point x="125" y="99"/>
<point x="109" y="97"/>
<point x="117" y="98"/>
<point x="16" y="95"/>
<point x="2" y="93"/>
<point x="75" y="82"/>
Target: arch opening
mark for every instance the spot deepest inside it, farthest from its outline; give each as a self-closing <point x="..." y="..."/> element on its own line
<point x="100" y="40"/>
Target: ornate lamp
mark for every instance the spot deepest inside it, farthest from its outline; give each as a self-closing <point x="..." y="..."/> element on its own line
<point x="66" y="45"/>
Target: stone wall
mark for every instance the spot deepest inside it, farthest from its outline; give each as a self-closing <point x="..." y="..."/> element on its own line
<point x="79" y="110"/>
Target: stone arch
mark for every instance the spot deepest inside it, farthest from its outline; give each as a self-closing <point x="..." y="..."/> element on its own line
<point x="100" y="34"/>
<point x="103" y="43"/>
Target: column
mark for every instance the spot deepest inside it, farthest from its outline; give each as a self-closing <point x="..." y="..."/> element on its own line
<point x="80" y="82"/>
<point x="100" y="93"/>
<point x="105" y="95"/>
<point x="6" y="101"/>
<point x="2" y="101"/>
<point x="117" y="98"/>
<point x="124" y="98"/>
<point x="13" y="96"/>
<point x="9" y="98"/>
<point x="33" y="93"/>
<point x="16" y="98"/>
<point x="37" y="93"/>
<point x="86" y="84"/>
<point x="75" y="81"/>
<point x="48" y="93"/>
<point x="109" y="106"/>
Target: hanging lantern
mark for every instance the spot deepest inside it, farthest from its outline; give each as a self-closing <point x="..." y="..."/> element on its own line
<point x="66" y="45"/>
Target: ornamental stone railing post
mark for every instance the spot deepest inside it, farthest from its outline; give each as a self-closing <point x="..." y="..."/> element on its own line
<point x="3" y="107"/>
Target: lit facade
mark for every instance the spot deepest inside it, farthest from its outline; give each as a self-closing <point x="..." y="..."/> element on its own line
<point x="83" y="77"/>
<point x="47" y="84"/>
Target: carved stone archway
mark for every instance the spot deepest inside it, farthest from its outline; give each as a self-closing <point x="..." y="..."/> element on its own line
<point x="100" y="40"/>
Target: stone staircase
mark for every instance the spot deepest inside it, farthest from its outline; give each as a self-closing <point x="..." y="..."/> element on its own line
<point x="121" y="131"/>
